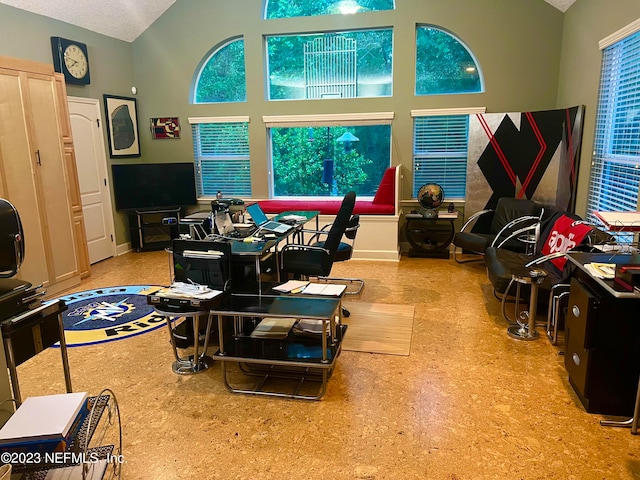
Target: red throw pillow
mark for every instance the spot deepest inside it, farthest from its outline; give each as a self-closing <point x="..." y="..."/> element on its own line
<point x="386" y="189"/>
<point x="565" y="235"/>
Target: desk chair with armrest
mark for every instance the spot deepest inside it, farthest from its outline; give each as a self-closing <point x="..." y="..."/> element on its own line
<point x="200" y="262"/>
<point x="304" y="261"/>
<point x="344" y="252"/>
<point x="492" y="226"/>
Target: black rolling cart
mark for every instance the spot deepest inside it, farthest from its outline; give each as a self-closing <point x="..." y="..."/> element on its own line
<point x="153" y="229"/>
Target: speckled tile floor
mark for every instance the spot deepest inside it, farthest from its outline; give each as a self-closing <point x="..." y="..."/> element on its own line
<point x="469" y="402"/>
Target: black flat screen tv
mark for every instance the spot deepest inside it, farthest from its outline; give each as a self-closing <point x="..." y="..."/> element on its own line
<point x="148" y="186"/>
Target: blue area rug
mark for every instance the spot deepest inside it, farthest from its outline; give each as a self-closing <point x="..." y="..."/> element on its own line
<point x="109" y="314"/>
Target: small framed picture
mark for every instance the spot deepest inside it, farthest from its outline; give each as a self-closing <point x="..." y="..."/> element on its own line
<point x="165" y="127"/>
<point x="122" y="126"/>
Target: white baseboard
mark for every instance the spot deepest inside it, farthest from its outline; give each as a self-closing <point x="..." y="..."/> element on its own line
<point x="123" y="248"/>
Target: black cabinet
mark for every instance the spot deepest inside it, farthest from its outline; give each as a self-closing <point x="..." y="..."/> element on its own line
<point x="602" y="347"/>
<point x="429" y="237"/>
<point x="153" y="229"/>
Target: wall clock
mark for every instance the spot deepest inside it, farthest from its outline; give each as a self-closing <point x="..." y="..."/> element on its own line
<point x="71" y="59"/>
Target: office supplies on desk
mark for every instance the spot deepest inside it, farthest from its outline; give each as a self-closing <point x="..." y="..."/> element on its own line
<point x="263" y="223"/>
<point x="226" y="228"/>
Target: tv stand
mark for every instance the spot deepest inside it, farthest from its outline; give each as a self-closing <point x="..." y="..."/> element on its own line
<point x="153" y="229"/>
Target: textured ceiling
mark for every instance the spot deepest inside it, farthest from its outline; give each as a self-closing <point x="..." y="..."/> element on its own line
<point x="561" y="5"/>
<point x="123" y="19"/>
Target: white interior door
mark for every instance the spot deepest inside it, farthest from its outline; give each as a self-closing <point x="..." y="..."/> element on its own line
<point x="91" y="160"/>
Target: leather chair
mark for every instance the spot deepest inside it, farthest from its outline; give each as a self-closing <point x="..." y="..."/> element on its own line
<point x="496" y="226"/>
<point x="501" y="263"/>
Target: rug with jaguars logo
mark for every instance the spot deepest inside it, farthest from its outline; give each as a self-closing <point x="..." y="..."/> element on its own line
<point x="108" y="314"/>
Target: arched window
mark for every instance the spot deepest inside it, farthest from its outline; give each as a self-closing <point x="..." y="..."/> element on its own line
<point x="306" y="8"/>
<point x="444" y="65"/>
<point x="221" y="77"/>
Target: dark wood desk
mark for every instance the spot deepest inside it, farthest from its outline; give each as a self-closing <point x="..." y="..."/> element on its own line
<point x="602" y="338"/>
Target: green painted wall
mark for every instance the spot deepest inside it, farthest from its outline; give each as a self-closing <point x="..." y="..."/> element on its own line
<point x="520" y="66"/>
<point x="585" y="24"/>
<point x="518" y="44"/>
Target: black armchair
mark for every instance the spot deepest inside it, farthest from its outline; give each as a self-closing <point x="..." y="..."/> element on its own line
<point x="493" y="227"/>
<point x="300" y="260"/>
<point x="502" y="263"/>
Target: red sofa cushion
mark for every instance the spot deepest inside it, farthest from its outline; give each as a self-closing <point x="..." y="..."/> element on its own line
<point x="383" y="202"/>
<point x="325" y="207"/>
<point x="387" y="188"/>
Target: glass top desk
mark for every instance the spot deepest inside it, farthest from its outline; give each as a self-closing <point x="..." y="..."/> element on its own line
<point x="292" y="357"/>
<point x="258" y="249"/>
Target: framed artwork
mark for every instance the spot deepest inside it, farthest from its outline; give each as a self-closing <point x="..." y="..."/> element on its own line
<point x="165" y="127"/>
<point x="122" y="126"/>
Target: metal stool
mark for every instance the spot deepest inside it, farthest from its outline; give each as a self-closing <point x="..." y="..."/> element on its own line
<point x="524" y="324"/>
<point x="197" y="362"/>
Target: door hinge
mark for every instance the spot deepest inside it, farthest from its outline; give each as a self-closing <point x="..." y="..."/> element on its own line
<point x="105" y="182"/>
<point x="111" y="237"/>
<point x="98" y="122"/>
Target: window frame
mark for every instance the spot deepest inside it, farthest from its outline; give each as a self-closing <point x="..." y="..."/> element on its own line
<point x="245" y="160"/>
<point x="205" y="61"/>
<point x="321" y="120"/>
<point x="443" y="112"/>
<point x="614" y="177"/>
<point x="476" y="63"/>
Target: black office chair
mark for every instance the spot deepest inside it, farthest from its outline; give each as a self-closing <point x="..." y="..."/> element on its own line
<point x="300" y="260"/>
<point x="344" y="252"/>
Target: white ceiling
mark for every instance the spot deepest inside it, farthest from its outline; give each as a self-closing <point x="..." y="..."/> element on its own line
<point x="124" y="19"/>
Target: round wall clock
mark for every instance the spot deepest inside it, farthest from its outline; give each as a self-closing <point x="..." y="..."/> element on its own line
<point x="71" y="59"/>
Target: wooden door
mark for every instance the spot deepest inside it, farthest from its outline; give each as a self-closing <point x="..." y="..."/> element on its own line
<point x="91" y="164"/>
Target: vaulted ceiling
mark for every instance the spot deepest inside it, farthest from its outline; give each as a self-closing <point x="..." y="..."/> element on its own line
<point x="124" y="19"/>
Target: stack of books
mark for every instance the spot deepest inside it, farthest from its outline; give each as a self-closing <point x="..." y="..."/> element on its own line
<point x="273" y="328"/>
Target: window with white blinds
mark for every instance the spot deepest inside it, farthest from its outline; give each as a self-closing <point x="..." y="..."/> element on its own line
<point x="615" y="171"/>
<point x="440" y="153"/>
<point x="221" y="154"/>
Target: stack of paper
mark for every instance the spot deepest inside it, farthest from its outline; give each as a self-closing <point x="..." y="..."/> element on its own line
<point x="308" y="327"/>
<point x="44" y="423"/>
<point x="292" y="286"/>
<point x="331" y="289"/>
<point x="181" y="289"/>
<point x="601" y="270"/>
<point x="276" y="328"/>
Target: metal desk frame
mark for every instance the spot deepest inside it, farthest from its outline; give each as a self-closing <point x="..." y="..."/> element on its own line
<point x="265" y="367"/>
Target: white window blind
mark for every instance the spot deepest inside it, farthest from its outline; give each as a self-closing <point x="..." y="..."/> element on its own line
<point x="615" y="172"/>
<point x="221" y="153"/>
<point x="440" y="153"/>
